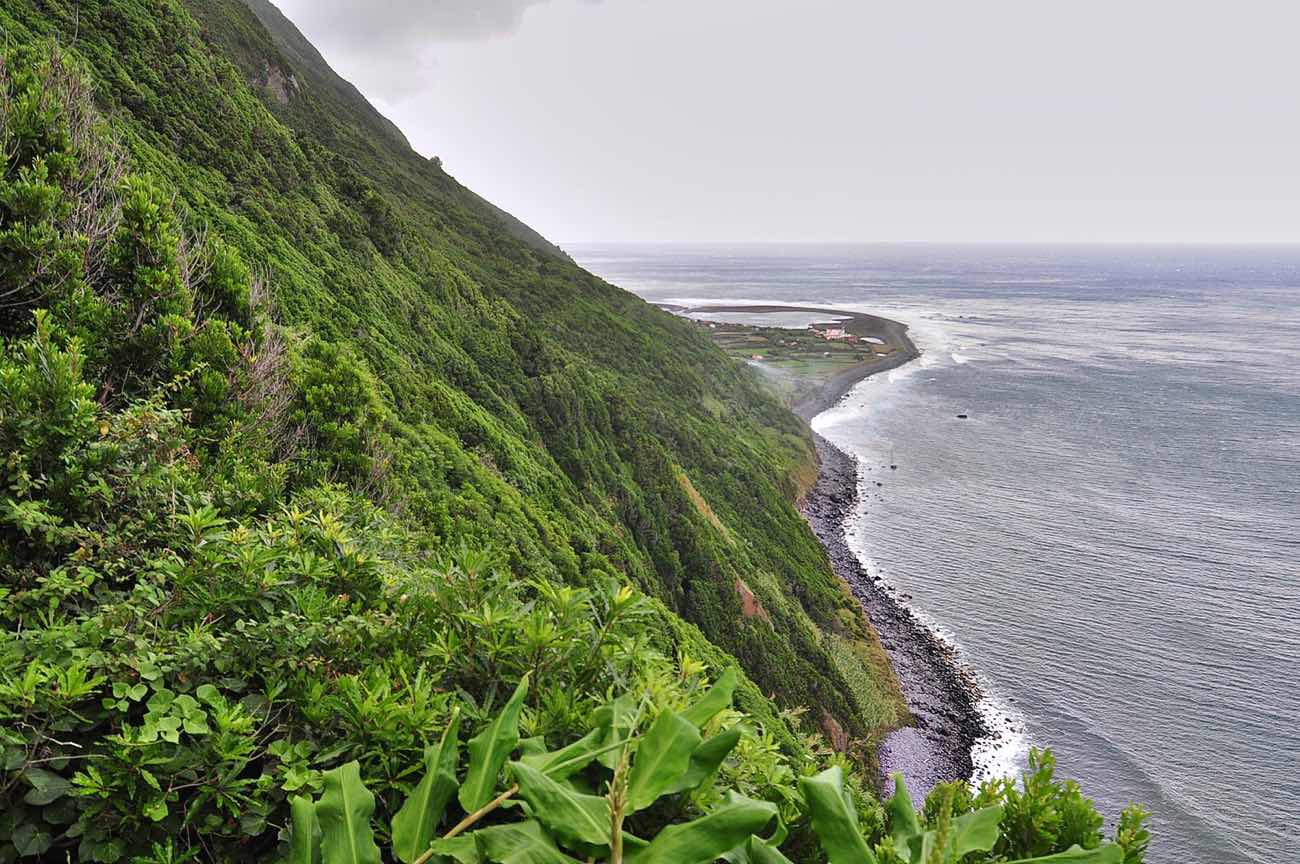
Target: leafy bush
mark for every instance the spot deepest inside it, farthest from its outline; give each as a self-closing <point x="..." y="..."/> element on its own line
<point x="1041" y="815"/>
<point x="340" y="409"/>
<point x="592" y="798"/>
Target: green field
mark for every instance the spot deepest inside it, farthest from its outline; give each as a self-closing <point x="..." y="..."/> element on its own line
<point x="794" y="362"/>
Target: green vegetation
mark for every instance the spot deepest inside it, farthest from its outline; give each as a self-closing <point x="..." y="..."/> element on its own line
<point x="308" y="455"/>
<point x="795" y="362"/>
<point x="776" y="344"/>
<point x="640" y="763"/>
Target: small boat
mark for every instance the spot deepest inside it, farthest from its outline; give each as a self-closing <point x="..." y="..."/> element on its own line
<point x="962" y="416"/>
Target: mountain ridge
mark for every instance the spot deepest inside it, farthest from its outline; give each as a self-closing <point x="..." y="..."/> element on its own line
<point x="309" y="389"/>
<point x="304" y="64"/>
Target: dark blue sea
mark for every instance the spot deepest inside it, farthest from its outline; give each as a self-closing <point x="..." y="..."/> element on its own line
<point x="1112" y="539"/>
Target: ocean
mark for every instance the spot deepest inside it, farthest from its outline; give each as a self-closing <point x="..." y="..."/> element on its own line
<point x="1112" y="538"/>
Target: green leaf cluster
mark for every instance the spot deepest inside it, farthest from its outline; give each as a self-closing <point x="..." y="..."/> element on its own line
<point x="574" y="807"/>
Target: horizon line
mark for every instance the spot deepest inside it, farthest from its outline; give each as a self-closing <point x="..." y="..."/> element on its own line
<point x="934" y="242"/>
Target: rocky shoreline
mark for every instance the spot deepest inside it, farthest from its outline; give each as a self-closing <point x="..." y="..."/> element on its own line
<point x="941" y="692"/>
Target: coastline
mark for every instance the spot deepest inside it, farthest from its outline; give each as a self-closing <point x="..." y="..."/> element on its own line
<point x="942" y="695"/>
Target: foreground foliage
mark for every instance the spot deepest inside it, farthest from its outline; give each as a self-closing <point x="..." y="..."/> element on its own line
<point x="637" y="762"/>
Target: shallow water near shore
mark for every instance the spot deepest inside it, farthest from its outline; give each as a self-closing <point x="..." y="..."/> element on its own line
<point x="1112" y="536"/>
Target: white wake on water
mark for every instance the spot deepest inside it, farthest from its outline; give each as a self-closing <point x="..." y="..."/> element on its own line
<point x="1002" y="753"/>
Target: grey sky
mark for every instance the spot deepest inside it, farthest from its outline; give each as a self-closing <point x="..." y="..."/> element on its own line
<point x="853" y="120"/>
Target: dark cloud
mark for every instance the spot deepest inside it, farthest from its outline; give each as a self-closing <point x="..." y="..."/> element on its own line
<point x="382" y="25"/>
<point x="385" y="43"/>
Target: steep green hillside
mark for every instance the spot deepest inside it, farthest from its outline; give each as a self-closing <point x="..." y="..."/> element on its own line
<point x="336" y="111"/>
<point x="519" y="402"/>
<point x="299" y="429"/>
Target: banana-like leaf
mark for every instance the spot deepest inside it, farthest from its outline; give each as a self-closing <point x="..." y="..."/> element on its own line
<point x="615" y="721"/>
<point x="717" y="698"/>
<point x="344" y="812"/>
<point x="705" y="760"/>
<point x="903" y="824"/>
<point x="562" y="763"/>
<point x="489" y="750"/>
<point x="762" y="853"/>
<point x="709" y="837"/>
<point x="533" y="746"/>
<point x="756" y="851"/>
<point x="462" y="850"/>
<point x="976" y="831"/>
<point x="662" y="758"/>
<point x="304" y="846"/>
<point x="921" y="849"/>
<point x="415" y="825"/>
<point x="570" y="814"/>
<point x="519" y="843"/>
<point x="633" y="846"/>
<point x="1108" y="854"/>
<point x="834" y="819"/>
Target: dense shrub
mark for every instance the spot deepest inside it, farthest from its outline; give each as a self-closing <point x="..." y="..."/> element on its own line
<point x="638" y="762"/>
<point x="340" y="409"/>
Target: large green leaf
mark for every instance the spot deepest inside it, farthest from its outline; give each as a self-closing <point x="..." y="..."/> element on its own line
<point x="705" y="760"/>
<point x="304" y="845"/>
<point x="46" y="786"/>
<point x="903" y="824"/>
<point x="615" y="720"/>
<point x="489" y="750"/>
<point x="763" y="853"/>
<point x="558" y="764"/>
<point x="519" y="843"/>
<point x="533" y="746"/>
<point x="462" y="849"/>
<point x="569" y="813"/>
<point x="415" y="824"/>
<point x="834" y="819"/>
<point x="709" y="837"/>
<point x="344" y="814"/>
<point x="662" y="759"/>
<point x="1108" y="854"/>
<point x="976" y="831"/>
<point x="717" y="698"/>
<point x="756" y="851"/>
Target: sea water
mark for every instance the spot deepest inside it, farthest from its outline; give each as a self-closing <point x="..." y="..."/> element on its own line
<point x="1112" y="536"/>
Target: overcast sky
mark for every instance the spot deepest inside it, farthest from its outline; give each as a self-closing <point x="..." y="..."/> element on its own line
<point x="845" y="120"/>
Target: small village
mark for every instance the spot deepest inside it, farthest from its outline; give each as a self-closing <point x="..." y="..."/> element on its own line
<point x="822" y="343"/>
